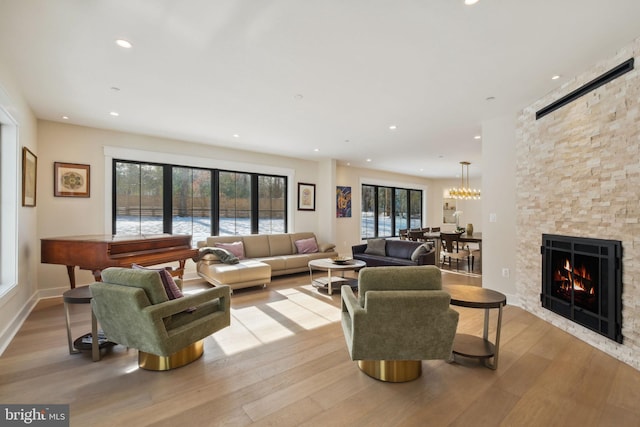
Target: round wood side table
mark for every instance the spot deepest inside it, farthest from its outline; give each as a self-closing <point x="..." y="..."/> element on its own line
<point x="82" y="295"/>
<point x="470" y="345"/>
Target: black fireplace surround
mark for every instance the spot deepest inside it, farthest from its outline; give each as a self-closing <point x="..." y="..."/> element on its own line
<point x="582" y="281"/>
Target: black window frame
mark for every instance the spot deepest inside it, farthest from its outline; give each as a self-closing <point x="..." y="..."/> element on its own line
<point x="376" y="214"/>
<point x="167" y="196"/>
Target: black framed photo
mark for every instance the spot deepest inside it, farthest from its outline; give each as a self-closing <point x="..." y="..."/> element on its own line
<point x="306" y="197"/>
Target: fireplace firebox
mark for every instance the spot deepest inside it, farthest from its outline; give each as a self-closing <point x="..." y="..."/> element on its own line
<point x="582" y="281"/>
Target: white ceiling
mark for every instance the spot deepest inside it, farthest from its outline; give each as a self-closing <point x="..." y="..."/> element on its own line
<point x="290" y="76"/>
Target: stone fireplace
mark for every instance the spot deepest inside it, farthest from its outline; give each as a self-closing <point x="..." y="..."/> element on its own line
<point x="578" y="174"/>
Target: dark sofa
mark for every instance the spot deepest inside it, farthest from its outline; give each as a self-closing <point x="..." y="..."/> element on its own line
<point x="397" y="252"/>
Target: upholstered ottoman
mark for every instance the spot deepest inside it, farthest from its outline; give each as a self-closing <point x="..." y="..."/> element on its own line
<point x="244" y="274"/>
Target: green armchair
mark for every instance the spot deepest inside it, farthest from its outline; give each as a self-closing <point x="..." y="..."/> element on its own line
<point x="400" y="317"/>
<point x="134" y="310"/>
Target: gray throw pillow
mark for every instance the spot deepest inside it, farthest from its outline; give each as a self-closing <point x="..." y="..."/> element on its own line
<point x="420" y="250"/>
<point x="376" y="247"/>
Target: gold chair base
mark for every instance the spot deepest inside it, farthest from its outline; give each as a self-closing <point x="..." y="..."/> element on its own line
<point x="153" y="362"/>
<point x="394" y="371"/>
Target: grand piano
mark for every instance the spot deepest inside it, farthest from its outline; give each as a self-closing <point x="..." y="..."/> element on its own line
<point x="97" y="252"/>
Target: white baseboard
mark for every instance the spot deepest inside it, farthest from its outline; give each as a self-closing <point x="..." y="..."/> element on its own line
<point x="10" y="331"/>
<point x="15" y="324"/>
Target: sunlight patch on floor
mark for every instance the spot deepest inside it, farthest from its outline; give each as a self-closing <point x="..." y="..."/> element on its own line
<point x="327" y="312"/>
<point x="253" y="326"/>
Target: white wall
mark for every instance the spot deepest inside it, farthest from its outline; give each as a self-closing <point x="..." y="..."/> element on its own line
<point x="16" y="304"/>
<point x="471" y="209"/>
<point x="499" y="238"/>
<point x="67" y="216"/>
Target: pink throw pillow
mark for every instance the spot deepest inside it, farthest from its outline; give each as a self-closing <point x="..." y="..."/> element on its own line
<point x="307" y="246"/>
<point x="236" y="248"/>
<point x="170" y="287"/>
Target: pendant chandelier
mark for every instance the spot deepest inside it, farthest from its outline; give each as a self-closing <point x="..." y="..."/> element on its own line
<point x="464" y="192"/>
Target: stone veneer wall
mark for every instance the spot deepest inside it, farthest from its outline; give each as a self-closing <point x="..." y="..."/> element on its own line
<point x="578" y="174"/>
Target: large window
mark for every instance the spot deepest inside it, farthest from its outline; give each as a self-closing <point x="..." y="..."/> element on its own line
<point x="191" y="202"/>
<point x="9" y="173"/>
<point x="160" y="198"/>
<point x="235" y="203"/>
<point x="387" y="210"/>
<point x="138" y="198"/>
<point x="271" y="204"/>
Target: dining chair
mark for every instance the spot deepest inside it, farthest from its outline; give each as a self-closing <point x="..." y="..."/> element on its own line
<point x="453" y="248"/>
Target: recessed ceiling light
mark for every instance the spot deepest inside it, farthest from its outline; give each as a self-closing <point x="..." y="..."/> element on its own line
<point x="124" y="43"/>
<point x="65" y="117"/>
<point x="470" y="2"/>
<point x="114" y="114"/>
<point x="368" y="160"/>
<point x="393" y="127"/>
<point x="348" y="163"/>
<point x="235" y="135"/>
<point x="477" y="137"/>
<point x="556" y="77"/>
<point x="316" y="149"/>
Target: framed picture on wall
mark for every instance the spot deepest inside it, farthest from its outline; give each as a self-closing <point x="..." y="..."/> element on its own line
<point x="343" y="202"/>
<point x="306" y="197"/>
<point x="71" y="180"/>
<point x="29" y="175"/>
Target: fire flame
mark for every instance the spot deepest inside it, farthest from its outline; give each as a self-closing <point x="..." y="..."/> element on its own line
<point x="577" y="277"/>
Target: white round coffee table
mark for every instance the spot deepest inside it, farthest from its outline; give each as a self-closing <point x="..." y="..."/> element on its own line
<point x="328" y="265"/>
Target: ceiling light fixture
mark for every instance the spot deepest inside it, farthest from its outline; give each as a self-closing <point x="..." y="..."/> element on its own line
<point x="235" y="135"/>
<point x="556" y="77"/>
<point x="65" y="117"/>
<point x="316" y="149"/>
<point x="124" y="43"/>
<point x="368" y="160"/>
<point x="393" y="127"/>
<point x="477" y="137"/>
<point x="470" y="2"/>
<point x="114" y="114"/>
<point x="464" y="192"/>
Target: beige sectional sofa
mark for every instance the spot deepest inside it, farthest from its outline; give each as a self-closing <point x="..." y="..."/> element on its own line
<point x="265" y="256"/>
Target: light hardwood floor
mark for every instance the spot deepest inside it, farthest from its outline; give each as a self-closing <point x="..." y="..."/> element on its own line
<point x="284" y="362"/>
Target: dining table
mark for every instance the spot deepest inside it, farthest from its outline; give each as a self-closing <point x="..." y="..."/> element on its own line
<point x="464" y="237"/>
<point x="472" y="238"/>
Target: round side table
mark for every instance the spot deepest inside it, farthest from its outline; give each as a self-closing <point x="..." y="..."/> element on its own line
<point x="82" y="295"/>
<point x="329" y="282"/>
<point x="470" y="345"/>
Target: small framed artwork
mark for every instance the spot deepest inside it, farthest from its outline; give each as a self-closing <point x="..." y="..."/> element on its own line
<point x="71" y="180"/>
<point x="306" y="197"/>
<point x="343" y="202"/>
<point x="29" y="176"/>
